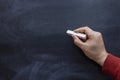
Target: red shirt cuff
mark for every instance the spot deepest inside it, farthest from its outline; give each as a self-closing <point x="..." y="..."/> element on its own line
<point x="112" y="66"/>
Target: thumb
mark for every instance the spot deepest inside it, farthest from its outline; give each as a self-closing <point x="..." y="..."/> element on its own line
<point x="78" y="42"/>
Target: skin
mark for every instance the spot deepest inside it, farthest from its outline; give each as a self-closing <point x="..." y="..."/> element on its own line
<point x="93" y="47"/>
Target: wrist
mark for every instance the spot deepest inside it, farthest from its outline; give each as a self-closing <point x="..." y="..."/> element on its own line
<point x="101" y="59"/>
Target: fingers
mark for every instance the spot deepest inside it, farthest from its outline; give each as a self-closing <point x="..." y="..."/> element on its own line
<point x="77" y="41"/>
<point x="85" y="30"/>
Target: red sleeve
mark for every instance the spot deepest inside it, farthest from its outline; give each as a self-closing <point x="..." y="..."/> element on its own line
<point x="112" y="66"/>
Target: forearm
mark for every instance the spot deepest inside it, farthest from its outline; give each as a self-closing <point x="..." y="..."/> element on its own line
<point x="111" y="66"/>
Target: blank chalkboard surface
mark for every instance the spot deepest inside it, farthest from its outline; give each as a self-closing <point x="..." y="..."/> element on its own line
<point x="34" y="45"/>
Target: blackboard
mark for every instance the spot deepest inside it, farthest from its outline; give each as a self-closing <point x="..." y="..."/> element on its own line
<point x="34" y="45"/>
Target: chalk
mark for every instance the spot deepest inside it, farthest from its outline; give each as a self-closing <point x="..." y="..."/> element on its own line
<point x="80" y="35"/>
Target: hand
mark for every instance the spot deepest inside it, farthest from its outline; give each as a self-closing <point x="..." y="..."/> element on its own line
<point x="93" y="47"/>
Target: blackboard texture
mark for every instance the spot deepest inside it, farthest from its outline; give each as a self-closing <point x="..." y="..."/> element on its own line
<point x="34" y="45"/>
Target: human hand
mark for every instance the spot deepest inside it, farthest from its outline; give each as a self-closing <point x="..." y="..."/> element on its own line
<point x="93" y="47"/>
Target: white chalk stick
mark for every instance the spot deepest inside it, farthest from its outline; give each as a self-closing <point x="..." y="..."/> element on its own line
<point x="80" y="35"/>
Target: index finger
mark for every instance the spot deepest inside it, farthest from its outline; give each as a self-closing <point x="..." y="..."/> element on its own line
<point x="85" y="30"/>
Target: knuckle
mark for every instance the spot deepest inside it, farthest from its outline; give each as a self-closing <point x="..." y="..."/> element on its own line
<point x="99" y="34"/>
<point x="86" y="27"/>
